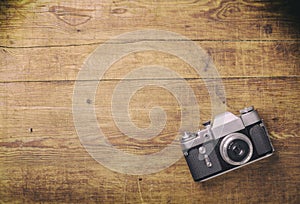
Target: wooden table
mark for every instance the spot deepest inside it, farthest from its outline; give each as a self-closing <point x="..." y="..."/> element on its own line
<point x="43" y="45"/>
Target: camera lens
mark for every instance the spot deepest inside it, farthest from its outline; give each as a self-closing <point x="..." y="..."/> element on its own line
<point x="236" y="149"/>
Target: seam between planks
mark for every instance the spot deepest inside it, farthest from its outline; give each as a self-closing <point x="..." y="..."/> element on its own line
<point x="136" y="79"/>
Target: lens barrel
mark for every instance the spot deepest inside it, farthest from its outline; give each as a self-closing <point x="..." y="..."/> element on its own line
<point x="236" y="149"/>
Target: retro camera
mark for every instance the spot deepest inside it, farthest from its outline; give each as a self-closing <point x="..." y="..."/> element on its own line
<point x="228" y="143"/>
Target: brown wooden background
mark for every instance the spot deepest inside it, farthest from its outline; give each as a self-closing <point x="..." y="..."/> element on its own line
<point x="43" y="44"/>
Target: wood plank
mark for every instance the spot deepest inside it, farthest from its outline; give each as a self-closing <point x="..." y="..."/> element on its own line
<point x="68" y="175"/>
<point x="41" y="112"/>
<point x="53" y="23"/>
<point x="232" y="59"/>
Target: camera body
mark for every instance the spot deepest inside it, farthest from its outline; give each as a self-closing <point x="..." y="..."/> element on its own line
<point x="229" y="143"/>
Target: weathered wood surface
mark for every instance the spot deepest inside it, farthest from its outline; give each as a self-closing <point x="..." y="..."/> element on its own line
<point x="254" y="45"/>
<point x="233" y="59"/>
<point x="36" y="23"/>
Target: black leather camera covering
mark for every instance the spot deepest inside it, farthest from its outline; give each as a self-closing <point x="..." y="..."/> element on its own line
<point x="260" y="140"/>
<point x="198" y="167"/>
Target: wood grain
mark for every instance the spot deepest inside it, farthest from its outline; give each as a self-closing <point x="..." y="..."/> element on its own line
<point x="233" y="59"/>
<point x="66" y="23"/>
<point x="51" y="103"/>
<point x="43" y="45"/>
